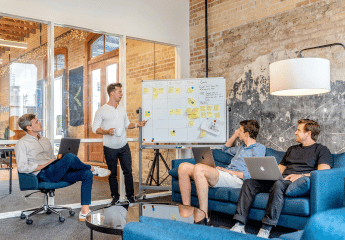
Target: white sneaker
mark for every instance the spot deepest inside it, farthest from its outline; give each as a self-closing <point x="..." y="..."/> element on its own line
<point x="238" y="228"/>
<point x="100" y="172"/>
<point x="263" y="233"/>
<point x="82" y="216"/>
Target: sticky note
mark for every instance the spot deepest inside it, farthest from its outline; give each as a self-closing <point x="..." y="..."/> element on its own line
<point x="155" y="96"/>
<point x="195" y="115"/>
<point x="146" y="90"/>
<point x="215" y="107"/>
<point x="209" y="114"/>
<point x="209" y="107"/>
<point x="191" y="101"/>
<point x="202" y="108"/>
<point x="161" y="90"/>
<point x="172" y="111"/>
<point x="190" y="90"/>
<point x="189" y="110"/>
<point x="147" y="114"/>
<point x="178" y="90"/>
<point x="217" y="115"/>
<point x="155" y="90"/>
<point x="171" y="90"/>
<point x="196" y="110"/>
<point x="203" y="133"/>
<point x="191" y="123"/>
<point x="178" y="111"/>
<point x="203" y="114"/>
<point x="172" y="133"/>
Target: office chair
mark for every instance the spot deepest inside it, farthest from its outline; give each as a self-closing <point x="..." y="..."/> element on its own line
<point x="30" y="182"/>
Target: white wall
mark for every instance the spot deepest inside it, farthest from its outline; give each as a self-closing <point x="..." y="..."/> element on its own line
<point x="164" y="21"/>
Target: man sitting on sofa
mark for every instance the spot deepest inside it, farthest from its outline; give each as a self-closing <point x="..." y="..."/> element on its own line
<point x="34" y="153"/>
<point x="231" y="176"/>
<point x="298" y="161"/>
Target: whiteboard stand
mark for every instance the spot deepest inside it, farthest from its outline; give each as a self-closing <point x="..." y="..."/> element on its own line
<point x="155" y="164"/>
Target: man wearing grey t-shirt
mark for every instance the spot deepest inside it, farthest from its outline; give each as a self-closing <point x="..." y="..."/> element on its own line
<point x="111" y="121"/>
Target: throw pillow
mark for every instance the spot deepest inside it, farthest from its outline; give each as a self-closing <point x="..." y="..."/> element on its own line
<point x="298" y="188"/>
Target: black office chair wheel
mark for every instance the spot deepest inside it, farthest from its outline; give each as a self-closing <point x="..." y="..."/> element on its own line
<point x="29" y="221"/>
<point x="48" y="212"/>
<point x="22" y="216"/>
<point x="72" y="213"/>
<point x="61" y="219"/>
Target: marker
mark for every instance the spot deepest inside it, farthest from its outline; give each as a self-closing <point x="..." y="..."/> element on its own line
<point x="147" y="120"/>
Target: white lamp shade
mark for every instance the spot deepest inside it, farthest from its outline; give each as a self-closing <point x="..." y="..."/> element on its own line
<point x="300" y="76"/>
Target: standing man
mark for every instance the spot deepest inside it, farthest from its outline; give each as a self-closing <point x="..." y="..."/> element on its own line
<point x="231" y="176"/>
<point x="111" y="121"/>
<point x="298" y="161"/>
<point x="34" y="153"/>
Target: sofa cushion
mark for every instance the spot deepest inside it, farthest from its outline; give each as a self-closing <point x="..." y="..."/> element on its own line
<point x="339" y="160"/>
<point x="277" y="154"/>
<point x="221" y="158"/>
<point x="174" y="173"/>
<point x="300" y="187"/>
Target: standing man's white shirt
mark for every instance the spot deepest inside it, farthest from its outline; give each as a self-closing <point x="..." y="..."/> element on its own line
<point x="108" y="117"/>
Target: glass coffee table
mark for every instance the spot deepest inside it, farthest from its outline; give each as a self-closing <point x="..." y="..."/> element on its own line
<point x="113" y="219"/>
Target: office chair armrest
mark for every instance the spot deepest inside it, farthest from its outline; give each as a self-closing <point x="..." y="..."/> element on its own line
<point x="27" y="181"/>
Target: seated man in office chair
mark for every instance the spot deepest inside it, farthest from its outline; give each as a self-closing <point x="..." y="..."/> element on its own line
<point x="34" y="152"/>
<point x="231" y="176"/>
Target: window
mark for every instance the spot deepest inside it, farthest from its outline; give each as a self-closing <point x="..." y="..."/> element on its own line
<point x="104" y="44"/>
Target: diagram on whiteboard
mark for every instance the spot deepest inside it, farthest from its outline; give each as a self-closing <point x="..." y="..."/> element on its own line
<point x="184" y="111"/>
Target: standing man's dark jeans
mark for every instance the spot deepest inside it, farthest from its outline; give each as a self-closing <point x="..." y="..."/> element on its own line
<point x="275" y="201"/>
<point x="111" y="157"/>
<point x="70" y="169"/>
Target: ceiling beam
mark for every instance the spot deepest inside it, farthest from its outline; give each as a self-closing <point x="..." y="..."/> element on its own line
<point x="11" y="28"/>
<point x="11" y="38"/>
<point x="20" y="23"/>
<point x="13" y="33"/>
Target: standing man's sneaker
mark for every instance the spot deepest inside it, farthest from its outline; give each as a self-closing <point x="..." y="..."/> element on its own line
<point x="114" y="201"/>
<point x="100" y="172"/>
<point x="131" y="199"/>
<point x="82" y="216"/>
<point x="263" y="233"/>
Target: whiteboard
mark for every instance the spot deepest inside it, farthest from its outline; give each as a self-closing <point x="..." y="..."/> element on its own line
<point x="184" y="111"/>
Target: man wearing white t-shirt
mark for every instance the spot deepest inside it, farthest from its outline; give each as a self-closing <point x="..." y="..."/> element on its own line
<point x="111" y="120"/>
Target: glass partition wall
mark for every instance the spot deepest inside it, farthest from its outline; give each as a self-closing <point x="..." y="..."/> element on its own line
<point x="83" y="63"/>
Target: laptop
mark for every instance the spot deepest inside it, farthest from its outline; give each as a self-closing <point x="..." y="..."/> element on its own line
<point x="67" y="145"/>
<point x="203" y="155"/>
<point x="263" y="168"/>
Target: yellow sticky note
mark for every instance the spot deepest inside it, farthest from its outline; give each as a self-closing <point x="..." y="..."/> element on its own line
<point x="191" y="101"/>
<point x="146" y="90"/>
<point x="189" y="110"/>
<point x="196" y="110"/>
<point x="191" y="123"/>
<point x="147" y="114"/>
<point x="209" y="107"/>
<point x="195" y="115"/>
<point x="155" y="90"/>
<point x="172" y="133"/>
<point x="161" y="90"/>
<point x="202" y="108"/>
<point x="190" y="90"/>
<point x="178" y="90"/>
<point x="171" y="90"/>
<point x="189" y="116"/>
<point x="155" y="96"/>
<point x="203" y="133"/>
<point x="217" y="115"/>
<point x="215" y="107"/>
<point x="172" y="111"/>
<point x="209" y="114"/>
<point x="203" y="114"/>
<point x="178" y="111"/>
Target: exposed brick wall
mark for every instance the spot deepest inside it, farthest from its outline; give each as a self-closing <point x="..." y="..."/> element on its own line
<point x="146" y="61"/>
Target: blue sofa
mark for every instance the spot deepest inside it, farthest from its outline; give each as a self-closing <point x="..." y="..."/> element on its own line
<point x="326" y="192"/>
<point x="328" y="225"/>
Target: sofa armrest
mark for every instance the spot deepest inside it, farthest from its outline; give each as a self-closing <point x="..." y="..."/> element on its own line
<point x="176" y="162"/>
<point x="27" y="181"/>
<point x="326" y="189"/>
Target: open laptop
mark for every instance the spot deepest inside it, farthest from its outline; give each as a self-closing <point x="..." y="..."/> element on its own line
<point x="263" y="168"/>
<point x="203" y="155"/>
<point x="67" y="145"/>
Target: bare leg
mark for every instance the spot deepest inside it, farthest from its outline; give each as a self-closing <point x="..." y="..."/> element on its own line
<point x="203" y="177"/>
<point x="185" y="172"/>
<point x="84" y="209"/>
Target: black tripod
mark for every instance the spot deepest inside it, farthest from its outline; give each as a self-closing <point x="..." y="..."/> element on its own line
<point x="154" y="165"/>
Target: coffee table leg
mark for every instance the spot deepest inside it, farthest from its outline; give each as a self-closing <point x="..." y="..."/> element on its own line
<point x="91" y="236"/>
